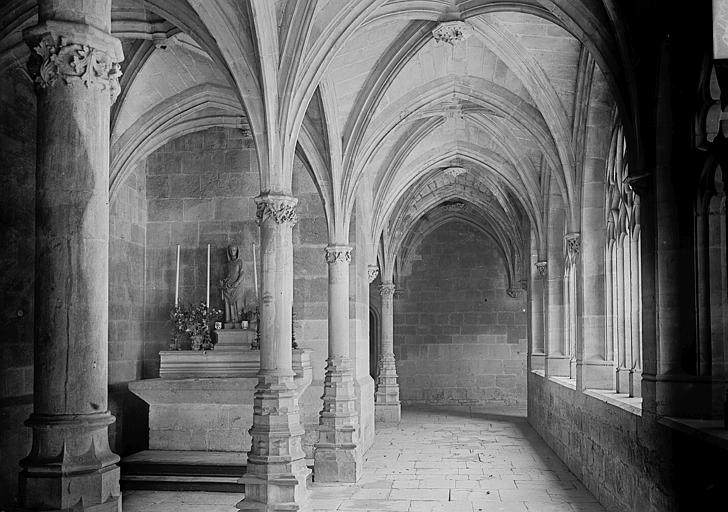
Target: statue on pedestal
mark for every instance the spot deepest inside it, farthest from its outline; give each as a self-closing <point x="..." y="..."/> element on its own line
<point x="232" y="289"/>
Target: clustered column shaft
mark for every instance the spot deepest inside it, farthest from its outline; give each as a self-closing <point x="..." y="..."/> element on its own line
<point x="537" y="316"/>
<point x="387" y="406"/>
<point x="337" y="457"/>
<point x="74" y="62"/>
<point x="277" y="472"/>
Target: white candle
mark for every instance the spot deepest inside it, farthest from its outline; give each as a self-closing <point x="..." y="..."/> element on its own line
<point x="255" y="273"/>
<point x="176" y="286"/>
<point x="208" y="276"/>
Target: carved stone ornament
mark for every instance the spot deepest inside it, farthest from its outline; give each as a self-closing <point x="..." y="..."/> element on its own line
<point x="451" y="32"/>
<point x="53" y="59"/>
<point x="542" y="266"/>
<point x="573" y="246"/>
<point x="387" y="290"/>
<point x="454" y="172"/>
<point x="514" y="293"/>
<point x="454" y="206"/>
<point x="372" y="272"/>
<point x="280" y="209"/>
<point x="337" y="254"/>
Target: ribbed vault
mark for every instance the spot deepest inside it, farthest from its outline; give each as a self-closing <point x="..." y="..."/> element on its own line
<point x="372" y="103"/>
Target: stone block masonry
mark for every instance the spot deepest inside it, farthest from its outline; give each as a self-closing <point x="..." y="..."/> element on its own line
<point x="459" y="338"/>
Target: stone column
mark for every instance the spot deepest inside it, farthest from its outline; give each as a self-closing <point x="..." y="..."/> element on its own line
<point x="277" y="472"/>
<point x="74" y="63"/>
<point x="557" y="359"/>
<point x="537" y="316"/>
<point x="387" y="407"/>
<point x="336" y="457"/>
<point x="635" y="378"/>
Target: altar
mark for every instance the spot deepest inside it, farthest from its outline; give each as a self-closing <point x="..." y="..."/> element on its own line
<point x="203" y="400"/>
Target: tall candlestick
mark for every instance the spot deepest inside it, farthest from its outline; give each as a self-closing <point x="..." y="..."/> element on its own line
<point x="208" y="276"/>
<point x="255" y="273"/>
<point x="176" y="286"/>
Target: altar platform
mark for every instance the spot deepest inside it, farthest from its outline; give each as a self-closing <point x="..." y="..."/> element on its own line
<point x="200" y="411"/>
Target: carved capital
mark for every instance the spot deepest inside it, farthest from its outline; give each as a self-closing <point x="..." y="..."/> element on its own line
<point x="280" y="209"/>
<point x="372" y="272"/>
<point x="542" y="267"/>
<point x="338" y="254"/>
<point x="59" y="60"/>
<point x="451" y="32"/>
<point x="387" y="290"/>
<point x="573" y="246"/>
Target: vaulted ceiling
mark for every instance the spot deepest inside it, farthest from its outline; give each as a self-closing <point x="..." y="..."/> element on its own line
<point x="382" y="111"/>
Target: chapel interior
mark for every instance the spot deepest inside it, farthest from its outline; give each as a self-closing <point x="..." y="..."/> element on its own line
<point x="400" y="220"/>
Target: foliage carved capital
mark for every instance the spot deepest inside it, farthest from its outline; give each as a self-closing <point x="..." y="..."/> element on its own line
<point x="55" y="60"/>
<point x="372" y="273"/>
<point x="387" y="290"/>
<point x="338" y="254"/>
<point x="279" y="209"/>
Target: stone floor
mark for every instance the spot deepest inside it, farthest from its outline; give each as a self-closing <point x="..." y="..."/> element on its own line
<point x="436" y="460"/>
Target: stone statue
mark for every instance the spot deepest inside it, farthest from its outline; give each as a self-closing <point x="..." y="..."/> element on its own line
<point x="232" y="289"/>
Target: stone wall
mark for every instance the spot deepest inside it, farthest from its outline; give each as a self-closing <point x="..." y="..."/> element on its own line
<point x="200" y="190"/>
<point x="598" y="442"/>
<point x="458" y="337"/>
<point x="630" y="461"/>
<point x="310" y="294"/>
<point x="127" y="239"/>
<point x="127" y="242"/>
<point x="17" y="256"/>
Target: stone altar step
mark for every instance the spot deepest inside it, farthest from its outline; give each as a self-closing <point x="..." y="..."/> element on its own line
<point x="183" y="470"/>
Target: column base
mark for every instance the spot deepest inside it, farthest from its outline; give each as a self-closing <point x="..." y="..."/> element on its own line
<point x="635" y="383"/>
<point x="38" y="491"/>
<point x="336" y="463"/>
<point x="276" y="492"/>
<point x="558" y="366"/>
<point x="684" y="396"/>
<point x="336" y="456"/>
<point x="387" y="412"/>
<point x="277" y="473"/>
<point x="537" y="362"/>
<point x="623" y="378"/>
<point x="70" y="464"/>
<point x="595" y="375"/>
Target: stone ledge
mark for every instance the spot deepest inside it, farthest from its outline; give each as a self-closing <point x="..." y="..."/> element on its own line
<point x="711" y="431"/>
<point x="564" y="381"/>
<point x="622" y="400"/>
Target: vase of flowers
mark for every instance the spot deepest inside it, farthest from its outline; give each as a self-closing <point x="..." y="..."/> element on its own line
<point x="191" y="326"/>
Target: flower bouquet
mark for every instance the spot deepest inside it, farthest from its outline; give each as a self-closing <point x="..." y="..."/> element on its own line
<point x="191" y="326"/>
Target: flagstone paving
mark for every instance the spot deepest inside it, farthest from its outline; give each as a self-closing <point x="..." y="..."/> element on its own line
<point x="435" y="460"/>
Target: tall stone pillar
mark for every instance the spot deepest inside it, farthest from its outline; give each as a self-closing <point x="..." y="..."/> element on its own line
<point x="537" y="317"/>
<point x="557" y="359"/>
<point x="387" y="407"/>
<point x="594" y="370"/>
<point x="74" y="63"/>
<point x="277" y="472"/>
<point x="337" y="457"/>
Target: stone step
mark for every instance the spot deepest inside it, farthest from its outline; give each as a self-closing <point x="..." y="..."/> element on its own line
<point x="177" y="470"/>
